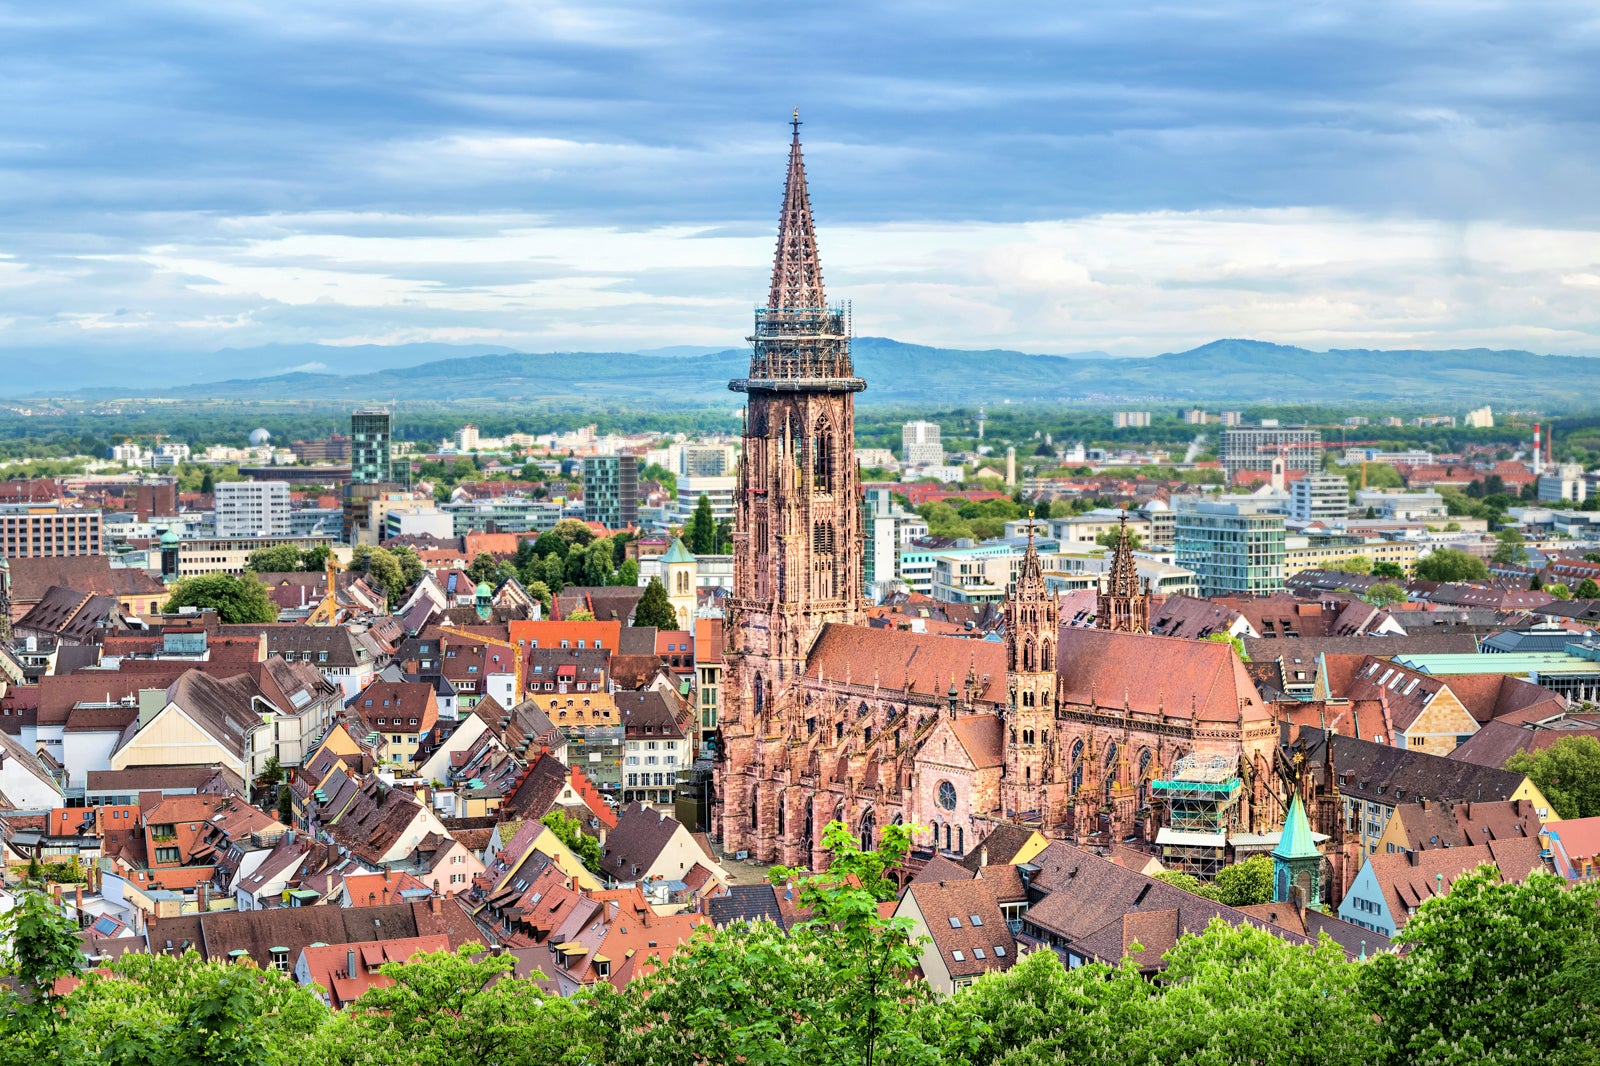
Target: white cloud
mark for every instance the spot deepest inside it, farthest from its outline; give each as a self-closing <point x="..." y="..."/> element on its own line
<point x="1132" y="284"/>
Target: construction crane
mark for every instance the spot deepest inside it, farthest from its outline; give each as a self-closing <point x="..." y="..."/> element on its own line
<point x="327" y="612"/>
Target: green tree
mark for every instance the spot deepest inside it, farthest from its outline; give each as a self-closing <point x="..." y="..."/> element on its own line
<point x="383" y="568"/>
<point x="541" y="592"/>
<point x="1493" y="973"/>
<point x="315" y="559"/>
<point x="237" y="600"/>
<point x="1247" y="883"/>
<point x="208" y="483"/>
<point x="449" y="1008"/>
<point x="1188" y="882"/>
<point x="839" y="988"/>
<point x="483" y="568"/>
<point x="1232" y="994"/>
<point x="654" y="608"/>
<point x="286" y="807"/>
<point x="1387" y="569"/>
<point x="1108" y="539"/>
<point x="157" y="1010"/>
<point x="1385" y="593"/>
<point x="1559" y="591"/>
<point x="628" y="573"/>
<point x="410" y="564"/>
<point x="1448" y="564"/>
<point x="1511" y="550"/>
<point x="597" y="566"/>
<point x="580" y="615"/>
<point x="570" y="832"/>
<point x="1359" y="564"/>
<point x="573" y="532"/>
<point x="1228" y="638"/>
<point x="1567" y="773"/>
<point x="702" y="530"/>
<point x="278" y="559"/>
<point x="41" y="946"/>
<point x="1587" y="589"/>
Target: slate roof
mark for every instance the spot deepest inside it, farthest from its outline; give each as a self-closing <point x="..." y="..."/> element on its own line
<point x="1099" y="908"/>
<point x="1192" y="618"/>
<point x="637" y="842"/>
<point x="1389" y="776"/>
<point x="69" y="615"/>
<point x="746" y="903"/>
<point x="215" y="933"/>
<point x="999" y="847"/>
<point x="32" y="577"/>
<point x="1497" y="741"/>
<point x="651" y="714"/>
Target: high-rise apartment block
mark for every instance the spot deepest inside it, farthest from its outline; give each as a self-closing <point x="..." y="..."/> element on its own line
<point x="29" y="531"/>
<point x="370" y="444"/>
<point x="920" y="444"/>
<point x="252" y="509"/>
<point x="1254" y="448"/>
<point x="1129" y="419"/>
<point x="611" y="490"/>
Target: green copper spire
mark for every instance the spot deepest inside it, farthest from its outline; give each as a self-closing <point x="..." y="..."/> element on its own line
<point x="1296" y="842"/>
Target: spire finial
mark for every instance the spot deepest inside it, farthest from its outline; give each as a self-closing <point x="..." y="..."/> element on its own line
<point x="795" y="124"/>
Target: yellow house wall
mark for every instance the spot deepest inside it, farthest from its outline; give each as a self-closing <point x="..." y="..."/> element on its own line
<point x="1436" y="729"/>
<point x="171" y="739"/>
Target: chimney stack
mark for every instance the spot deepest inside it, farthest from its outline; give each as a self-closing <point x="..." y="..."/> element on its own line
<point x="983" y="855"/>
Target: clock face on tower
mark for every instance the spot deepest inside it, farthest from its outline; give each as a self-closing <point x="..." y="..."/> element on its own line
<point x="947" y="795"/>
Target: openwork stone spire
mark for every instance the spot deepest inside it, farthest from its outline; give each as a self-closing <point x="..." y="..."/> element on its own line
<point x="796" y="271"/>
<point x="1124" y="602"/>
<point x="1124" y="576"/>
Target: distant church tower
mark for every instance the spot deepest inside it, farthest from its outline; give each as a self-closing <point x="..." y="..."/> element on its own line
<point x="1032" y="623"/>
<point x="797" y="536"/>
<point x="1124" y="602"/>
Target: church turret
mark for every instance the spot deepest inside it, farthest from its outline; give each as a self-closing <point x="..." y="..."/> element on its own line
<point x="1296" y="861"/>
<point x="1124" y="602"/>
<point x="1032" y="622"/>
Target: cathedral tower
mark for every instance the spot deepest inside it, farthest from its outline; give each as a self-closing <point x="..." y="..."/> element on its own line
<point x="797" y="534"/>
<point x="1032" y="628"/>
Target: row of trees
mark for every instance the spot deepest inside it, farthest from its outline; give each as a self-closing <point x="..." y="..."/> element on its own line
<point x="1493" y="973"/>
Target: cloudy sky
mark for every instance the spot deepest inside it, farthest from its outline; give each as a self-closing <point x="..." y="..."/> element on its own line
<point x="180" y="177"/>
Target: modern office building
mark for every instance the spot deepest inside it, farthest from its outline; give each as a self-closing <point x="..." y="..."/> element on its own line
<point x="252" y="509"/>
<point x="1255" y="447"/>
<point x="1319" y="498"/>
<point x="611" y="490"/>
<point x="370" y="447"/>
<point x="1234" y="547"/>
<point x="30" y="531"/>
<point x="920" y="444"/>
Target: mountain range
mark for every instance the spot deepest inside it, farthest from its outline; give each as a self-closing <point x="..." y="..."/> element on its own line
<point x="1224" y="371"/>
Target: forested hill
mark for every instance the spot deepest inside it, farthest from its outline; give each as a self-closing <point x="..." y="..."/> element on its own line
<point x="1225" y="371"/>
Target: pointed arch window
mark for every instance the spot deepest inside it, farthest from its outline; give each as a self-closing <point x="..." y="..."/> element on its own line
<point x="822" y="462"/>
